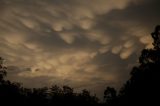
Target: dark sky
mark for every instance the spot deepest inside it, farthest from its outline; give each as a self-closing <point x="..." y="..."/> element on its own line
<point x="82" y="43"/>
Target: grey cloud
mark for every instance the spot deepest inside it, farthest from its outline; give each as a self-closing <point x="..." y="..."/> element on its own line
<point x="144" y="14"/>
<point x="87" y="42"/>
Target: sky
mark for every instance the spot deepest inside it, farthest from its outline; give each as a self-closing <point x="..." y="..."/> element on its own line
<point x="88" y="44"/>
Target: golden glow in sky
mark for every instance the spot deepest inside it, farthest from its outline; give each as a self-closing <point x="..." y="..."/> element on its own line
<point x="74" y="42"/>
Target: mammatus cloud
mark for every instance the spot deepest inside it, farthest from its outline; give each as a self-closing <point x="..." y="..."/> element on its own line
<point x="74" y="42"/>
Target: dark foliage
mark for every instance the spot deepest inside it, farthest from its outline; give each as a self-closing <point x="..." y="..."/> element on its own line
<point x="143" y="88"/>
<point x="110" y="96"/>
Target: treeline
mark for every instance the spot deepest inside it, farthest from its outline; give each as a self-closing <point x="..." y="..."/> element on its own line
<point x="14" y="93"/>
<point x="143" y="87"/>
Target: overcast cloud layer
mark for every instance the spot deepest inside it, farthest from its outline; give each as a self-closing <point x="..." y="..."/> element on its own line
<point x="82" y="43"/>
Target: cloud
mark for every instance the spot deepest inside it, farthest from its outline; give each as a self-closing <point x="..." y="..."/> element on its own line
<point x="78" y="42"/>
<point x="68" y="37"/>
<point x="117" y="49"/>
<point x="126" y="53"/>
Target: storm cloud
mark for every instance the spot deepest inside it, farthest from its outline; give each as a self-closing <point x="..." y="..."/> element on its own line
<point x="80" y="43"/>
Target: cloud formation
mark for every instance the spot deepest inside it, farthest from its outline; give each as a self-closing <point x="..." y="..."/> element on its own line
<point x="75" y="42"/>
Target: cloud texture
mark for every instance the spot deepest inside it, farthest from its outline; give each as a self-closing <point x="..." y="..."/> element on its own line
<point x="76" y="42"/>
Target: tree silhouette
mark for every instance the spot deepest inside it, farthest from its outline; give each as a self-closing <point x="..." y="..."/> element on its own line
<point x="156" y="37"/>
<point x="3" y="72"/>
<point x="110" y="96"/>
<point x="143" y="86"/>
<point x="86" y="98"/>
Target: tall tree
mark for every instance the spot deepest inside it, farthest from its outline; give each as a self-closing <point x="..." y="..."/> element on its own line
<point x="144" y="85"/>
